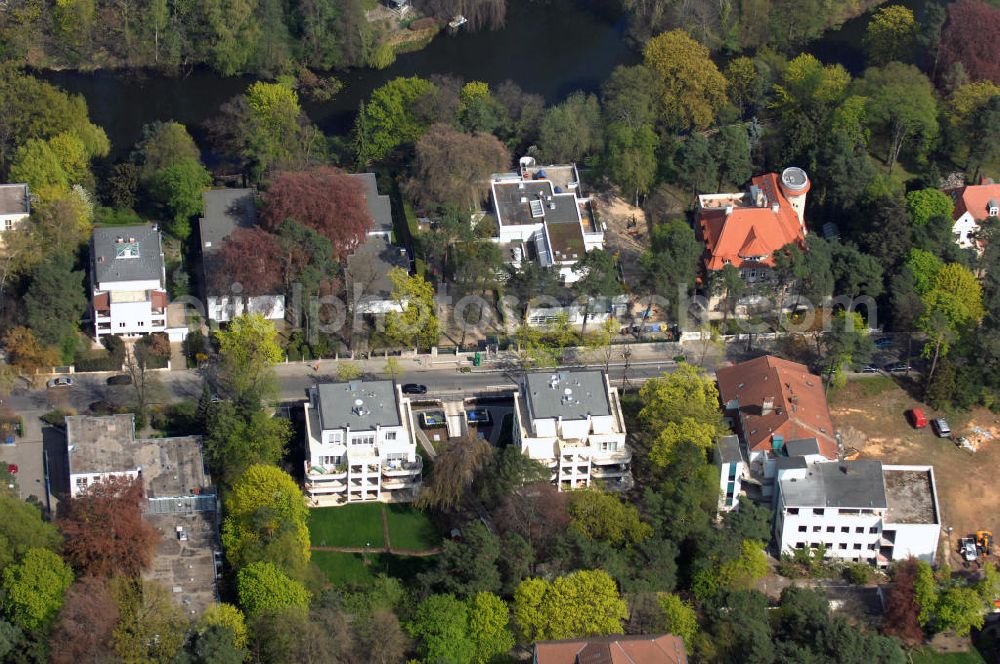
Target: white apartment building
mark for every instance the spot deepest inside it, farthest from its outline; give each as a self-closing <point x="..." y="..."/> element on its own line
<point x="542" y="215"/>
<point x="128" y="279"/>
<point x="572" y="421"/>
<point x="360" y="444"/>
<point x="862" y="511"/>
<point x="15" y="206"/>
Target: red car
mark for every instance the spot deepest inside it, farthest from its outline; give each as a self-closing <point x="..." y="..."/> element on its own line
<point x="917" y="418"/>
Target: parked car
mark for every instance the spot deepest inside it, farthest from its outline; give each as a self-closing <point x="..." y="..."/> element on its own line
<point x="941" y="428"/>
<point x="898" y="367"/>
<point x="870" y="369"/>
<point x="883" y="343"/>
<point x="59" y="381"/>
<point x="120" y="379"/>
<point x="413" y="388"/>
<point x="967" y="546"/>
<point x="917" y="418"/>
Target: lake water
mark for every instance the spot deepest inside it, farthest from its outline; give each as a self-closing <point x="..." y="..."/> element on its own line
<point x="549" y="47"/>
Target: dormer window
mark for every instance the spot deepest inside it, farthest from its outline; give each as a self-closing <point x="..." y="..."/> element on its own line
<point x="993" y="207"/>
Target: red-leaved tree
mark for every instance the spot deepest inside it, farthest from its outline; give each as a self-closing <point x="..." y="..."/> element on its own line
<point x="105" y="532"/>
<point x="252" y="258"/>
<point x="323" y="198"/>
<point x="83" y="632"/>
<point x="901" y="609"/>
<point x="970" y="38"/>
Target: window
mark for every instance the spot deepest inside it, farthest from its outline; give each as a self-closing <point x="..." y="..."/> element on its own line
<point x="81" y="483"/>
<point x="818" y="511"/>
<point x="873" y="547"/>
<point x="802" y="529"/>
<point x="9" y="224"/>
<point x="141" y="323"/>
<point x="367" y="439"/>
<point x="994" y="212"/>
<point x="390" y="435"/>
<point x="336" y="437"/>
<point x="793" y="510"/>
<point x="873" y="530"/>
<point x="842" y="546"/>
<point x="330" y="460"/>
<point x="859" y="530"/>
<point x="830" y="529"/>
<point x="845" y="529"/>
<point x="800" y="545"/>
<point x="816" y="529"/>
<point x="121" y="324"/>
<point x="857" y="546"/>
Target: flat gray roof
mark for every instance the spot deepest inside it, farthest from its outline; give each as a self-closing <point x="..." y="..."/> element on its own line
<point x="513" y="212"/>
<point x="339" y="407"/>
<point x="379" y="205"/>
<point x="126" y="253"/>
<point x="802" y="447"/>
<point x="828" y="485"/>
<point x="186" y="567"/>
<point x="911" y="496"/>
<point x="368" y="267"/>
<point x="566" y="239"/>
<point x="171" y="467"/>
<point x="225" y="211"/>
<point x="572" y="395"/>
<point x="14" y="199"/>
<point x="728" y="449"/>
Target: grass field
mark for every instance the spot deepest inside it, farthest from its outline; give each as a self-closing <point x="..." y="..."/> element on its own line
<point x="927" y="656"/>
<point x="350" y="525"/>
<point x="349" y="568"/>
<point x="410" y="528"/>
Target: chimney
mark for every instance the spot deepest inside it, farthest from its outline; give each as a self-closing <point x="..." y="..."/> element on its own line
<point x="767" y="406"/>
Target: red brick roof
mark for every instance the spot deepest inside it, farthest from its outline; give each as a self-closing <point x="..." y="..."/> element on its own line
<point x="102" y="301"/>
<point x="750" y="230"/>
<point x="975" y="199"/>
<point x="799" y="409"/>
<point x="159" y="299"/>
<point x="641" y="649"/>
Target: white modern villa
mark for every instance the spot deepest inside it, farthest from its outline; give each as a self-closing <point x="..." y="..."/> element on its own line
<point x="360" y="444"/>
<point x="572" y="421"/>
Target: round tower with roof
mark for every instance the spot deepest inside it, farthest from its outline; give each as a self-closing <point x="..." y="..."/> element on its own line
<point x="795" y="186"/>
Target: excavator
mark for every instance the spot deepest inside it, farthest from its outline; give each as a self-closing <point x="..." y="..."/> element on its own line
<point x="984" y="542"/>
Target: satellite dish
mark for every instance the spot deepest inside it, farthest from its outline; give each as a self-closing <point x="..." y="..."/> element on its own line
<point x="359" y="402"/>
<point x="568" y="391"/>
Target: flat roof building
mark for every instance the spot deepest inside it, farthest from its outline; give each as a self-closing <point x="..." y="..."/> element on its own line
<point x="180" y="501"/>
<point x="572" y="421"/>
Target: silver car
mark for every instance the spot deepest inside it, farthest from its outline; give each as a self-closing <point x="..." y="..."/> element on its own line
<point x="59" y="381"/>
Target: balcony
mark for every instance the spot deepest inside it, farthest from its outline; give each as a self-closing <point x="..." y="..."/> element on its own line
<point x="325" y="488"/>
<point x="608" y="471"/>
<point x="400" y="483"/>
<point x="623" y="483"/>
<point x="325" y="472"/>
<point x="612" y="457"/>
<point x="397" y="469"/>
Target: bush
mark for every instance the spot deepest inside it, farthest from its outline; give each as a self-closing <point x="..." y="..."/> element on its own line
<point x="57" y="417"/>
<point x="858" y="574"/>
<point x="423" y="24"/>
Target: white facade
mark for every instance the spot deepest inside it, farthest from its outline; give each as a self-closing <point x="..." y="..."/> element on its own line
<point x="964" y="228"/>
<point x="15" y="206"/>
<point x="78" y="482"/>
<point x="375" y="463"/>
<point x="128" y="275"/>
<point x="876" y="532"/>
<point x="578" y="449"/>
<point x="223" y="308"/>
<point x="732" y="471"/>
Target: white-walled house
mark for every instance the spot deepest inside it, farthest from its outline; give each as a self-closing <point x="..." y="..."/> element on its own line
<point x="862" y="511"/>
<point x="15" y="206"/>
<point x="572" y="421"/>
<point x="128" y="278"/>
<point x="974" y="204"/>
<point x="367" y="270"/>
<point x="360" y="444"/>
<point x="542" y="215"/>
<point x="225" y="211"/>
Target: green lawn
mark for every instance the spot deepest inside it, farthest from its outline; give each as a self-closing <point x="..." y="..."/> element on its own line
<point x="351" y="525"/>
<point x="409" y="528"/>
<point x="928" y="656"/>
<point x="349" y="569"/>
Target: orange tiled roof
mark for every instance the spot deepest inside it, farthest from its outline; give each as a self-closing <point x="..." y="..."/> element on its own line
<point x="799" y="410"/>
<point x="662" y="649"/>
<point x="760" y="230"/>
<point x="975" y="199"/>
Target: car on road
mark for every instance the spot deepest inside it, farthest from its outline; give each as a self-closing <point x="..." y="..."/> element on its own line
<point x="120" y="379"/>
<point x="414" y="388"/>
<point x="883" y="342"/>
<point x="898" y="367"/>
<point x="941" y="428"/>
<point x="59" y="381"/>
<point x="869" y="369"/>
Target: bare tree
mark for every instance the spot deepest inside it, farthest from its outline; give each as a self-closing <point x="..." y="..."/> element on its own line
<point x="455" y="468"/>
